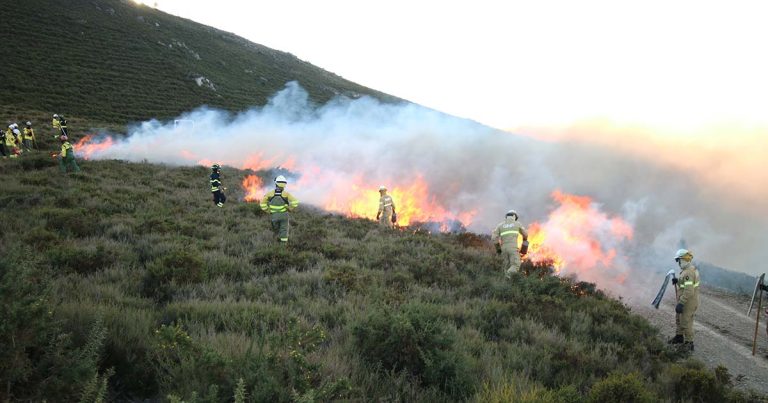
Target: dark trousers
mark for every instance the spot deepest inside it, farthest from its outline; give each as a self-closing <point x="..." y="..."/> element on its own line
<point x="2" y="148"/>
<point x="219" y="198"/>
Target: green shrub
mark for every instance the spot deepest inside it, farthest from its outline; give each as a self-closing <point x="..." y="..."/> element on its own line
<point x="278" y="258"/>
<point x="693" y="382"/>
<point x="70" y="222"/>
<point x="344" y="274"/>
<point x="618" y="387"/>
<point x="417" y="341"/>
<point x="178" y="266"/>
<point x="82" y="259"/>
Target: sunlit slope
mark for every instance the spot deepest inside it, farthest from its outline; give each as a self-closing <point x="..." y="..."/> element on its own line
<point x="117" y="61"/>
<point x="126" y="283"/>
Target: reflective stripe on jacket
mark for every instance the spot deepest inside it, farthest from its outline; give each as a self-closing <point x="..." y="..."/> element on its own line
<point x="278" y="202"/>
<point x="65" y="150"/>
<point x="215" y="182"/>
<point x="507" y="231"/>
<point x="689" y="285"/>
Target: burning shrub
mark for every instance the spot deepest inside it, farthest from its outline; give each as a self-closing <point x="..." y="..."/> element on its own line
<point x="417" y="341"/>
<point x="537" y="269"/>
<point x="621" y="388"/>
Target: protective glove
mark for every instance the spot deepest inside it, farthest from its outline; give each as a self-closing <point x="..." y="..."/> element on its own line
<point x="674" y="280"/>
<point x="394" y="218"/>
<point x="679" y="308"/>
<point x="498" y="249"/>
<point x="378" y="216"/>
<point x="524" y="248"/>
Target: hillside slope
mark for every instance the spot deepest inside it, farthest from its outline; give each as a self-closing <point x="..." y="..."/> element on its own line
<point x="126" y="282"/>
<point x="115" y="61"/>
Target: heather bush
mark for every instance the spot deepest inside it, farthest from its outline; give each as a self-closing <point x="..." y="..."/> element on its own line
<point x="144" y="291"/>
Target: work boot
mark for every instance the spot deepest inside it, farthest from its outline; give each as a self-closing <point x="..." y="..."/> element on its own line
<point x="677" y="339"/>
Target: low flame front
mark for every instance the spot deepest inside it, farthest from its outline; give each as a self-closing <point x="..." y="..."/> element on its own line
<point x="413" y="204"/>
<point x="254" y="188"/>
<point x="579" y="238"/>
<point x="87" y="146"/>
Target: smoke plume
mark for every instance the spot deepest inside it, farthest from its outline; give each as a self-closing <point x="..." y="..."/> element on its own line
<point x="462" y="170"/>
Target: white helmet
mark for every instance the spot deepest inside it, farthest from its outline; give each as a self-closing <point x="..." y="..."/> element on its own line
<point x="382" y="187"/>
<point x="29" y="123"/>
<point x="514" y="213"/>
<point x="55" y="115"/>
<point x="683" y="254"/>
<point x="280" y="179"/>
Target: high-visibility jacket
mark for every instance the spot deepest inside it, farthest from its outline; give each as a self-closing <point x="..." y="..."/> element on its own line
<point x="10" y="139"/>
<point x="688" y="282"/>
<point x="507" y="232"/>
<point x="56" y="124"/>
<point x="67" y="150"/>
<point x="29" y="134"/>
<point x="386" y="205"/>
<point x="278" y="201"/>
<point x="215" y="182"/>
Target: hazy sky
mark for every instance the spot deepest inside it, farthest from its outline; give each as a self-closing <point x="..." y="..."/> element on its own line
<point x="656" y="102"/>
<point x="671" y="64"/>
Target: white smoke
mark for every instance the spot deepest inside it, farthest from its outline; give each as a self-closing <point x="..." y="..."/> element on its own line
<point x="466" y="165"/>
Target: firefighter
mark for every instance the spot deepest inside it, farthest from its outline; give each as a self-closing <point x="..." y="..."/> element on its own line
<point x="216" y="188"/>
<point x="3" y="151"/>
<point x="67" y="157"/>
<point x="278" y="203"/>
<point x="688" y="298"/>
<point x="10" y="143"/>
<point x="56" y="125"/>
<point x="504" y="238"/>
<point x="18" y="136"/>
<point x="63" y="125"/>
<point x="29" y="136"/>
<point x="387" y="216"/>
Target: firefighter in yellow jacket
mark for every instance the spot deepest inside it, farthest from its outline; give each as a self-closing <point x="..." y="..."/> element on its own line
<point x="505" y="239"/>
<point x="56" y="125"/>
<point x="29" y="136"/>
<point x="387" y="216"/>
<point x="278" y="203"/>
<point x="67" y="157"/>
<point x="688" y="298"/>
<point x="11" y="147"/>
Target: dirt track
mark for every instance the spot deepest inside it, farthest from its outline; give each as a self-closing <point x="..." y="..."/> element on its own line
<point x="723" y="334"/>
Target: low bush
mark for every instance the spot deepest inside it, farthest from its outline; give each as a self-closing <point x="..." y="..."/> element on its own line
<point x="178" y="266"/>
<point x="628" y="388"/>
<point x="414" y="339"/>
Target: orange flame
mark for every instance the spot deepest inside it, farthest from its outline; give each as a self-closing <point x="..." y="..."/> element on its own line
<point x="86" y="148"/>
<point x="257" y="162"/>
<point x="253" y="186"/>
<point x="577" y="236"/>
<point x="413" y="203"/>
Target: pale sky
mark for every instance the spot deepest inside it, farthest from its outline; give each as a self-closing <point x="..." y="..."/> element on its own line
<point x="509" y="64"/>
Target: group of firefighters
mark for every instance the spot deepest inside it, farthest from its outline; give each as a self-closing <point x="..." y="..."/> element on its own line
<point x="278" y="203"/>
<point x="14" y="143"/>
